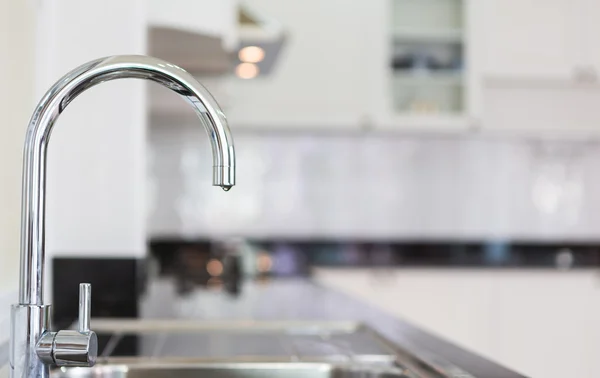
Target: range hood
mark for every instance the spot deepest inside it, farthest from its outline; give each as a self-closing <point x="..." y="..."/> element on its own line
<point x="256" y="27"/>
<point x="261" y="34"/>
<point x="207" y="40"/>
<point x="205" y="36"/>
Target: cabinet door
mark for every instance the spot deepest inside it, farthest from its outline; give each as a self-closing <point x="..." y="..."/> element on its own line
<point x="591" y="33"/>
<point x="406" y="96"/>
<point x="319" y="77"/>
<point x="532" y="39"/>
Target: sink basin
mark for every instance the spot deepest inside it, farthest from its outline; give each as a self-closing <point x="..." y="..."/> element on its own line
<point x="232" y="349"/>
<point x="235" y="370"/>
<point x="253" y="341"/>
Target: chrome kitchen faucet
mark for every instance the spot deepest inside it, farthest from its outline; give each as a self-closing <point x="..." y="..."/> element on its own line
<point x="33" y="346"/>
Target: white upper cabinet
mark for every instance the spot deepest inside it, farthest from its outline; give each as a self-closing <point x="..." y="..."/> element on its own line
<point x="361" y="64"/>
<point x="398" y="65"/>
<point x="591" y="11"/>
<point x="541" y="40"/>
<point x="318" y="79"/>
<point x="541" y="65"/>
<point x="422" y="74"/>
<point x="532" y="39"/>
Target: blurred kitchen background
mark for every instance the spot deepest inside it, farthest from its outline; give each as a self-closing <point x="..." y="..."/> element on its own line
<point x="439" y="159"/>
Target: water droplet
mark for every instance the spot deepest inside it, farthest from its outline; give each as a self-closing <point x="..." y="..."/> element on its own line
<point x="226" y="187"/>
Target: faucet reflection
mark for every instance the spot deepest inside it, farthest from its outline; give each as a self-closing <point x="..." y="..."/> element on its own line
<point x="33" y="346"/>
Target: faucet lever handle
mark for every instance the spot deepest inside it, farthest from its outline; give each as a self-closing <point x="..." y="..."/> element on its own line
<point x="70" y="347"/>
<point x="78" y="348"/>
<point x="85" y="306"/>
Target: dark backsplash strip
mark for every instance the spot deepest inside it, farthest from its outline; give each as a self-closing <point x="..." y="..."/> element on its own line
<point x="117" y="284"/>
<point x="450" y="254"/>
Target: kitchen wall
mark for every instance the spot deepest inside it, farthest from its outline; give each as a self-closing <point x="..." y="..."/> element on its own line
<point x="376" y="186"/>
<point x="87" y="213"/>
<point x="16" y="103"/>
<point x="96" y="156"/>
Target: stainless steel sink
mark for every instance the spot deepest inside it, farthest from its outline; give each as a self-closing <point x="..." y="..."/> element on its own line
<point x="233" y="349"/>
<point x="253" y="341"/>
<point x="236" y="370"/>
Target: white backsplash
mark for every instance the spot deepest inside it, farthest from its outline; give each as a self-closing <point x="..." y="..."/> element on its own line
<point x="369" y="186"/>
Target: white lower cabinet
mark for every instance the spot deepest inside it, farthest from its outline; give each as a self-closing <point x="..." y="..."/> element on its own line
<point x="539" y="323"/>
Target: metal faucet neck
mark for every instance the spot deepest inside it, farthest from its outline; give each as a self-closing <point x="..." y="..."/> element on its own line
<point x="33" y="346"/>
<point x="54" y="103"/>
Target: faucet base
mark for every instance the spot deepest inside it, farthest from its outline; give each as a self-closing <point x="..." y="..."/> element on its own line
<point x="28" y="323"/>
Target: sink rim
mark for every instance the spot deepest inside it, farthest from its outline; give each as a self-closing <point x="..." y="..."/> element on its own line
<point x="125" y="325"/>
<point x="102" y="369"/>
<point x="174" y="360"/>
<point x="410" y="356"/>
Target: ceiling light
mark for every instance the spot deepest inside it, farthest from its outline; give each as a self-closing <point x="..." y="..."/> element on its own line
<point x="214" y="267"/>
<point x="251" y="54"/>
<point x="246" y="70"/>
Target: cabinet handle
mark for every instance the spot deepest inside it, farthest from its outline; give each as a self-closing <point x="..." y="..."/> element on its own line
<point x="586" y="74"/>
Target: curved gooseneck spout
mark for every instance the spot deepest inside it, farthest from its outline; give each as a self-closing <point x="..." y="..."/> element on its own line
<point x="54" y="103"/>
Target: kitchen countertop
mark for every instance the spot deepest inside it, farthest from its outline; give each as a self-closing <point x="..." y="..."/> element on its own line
<point x="302" y="299"/>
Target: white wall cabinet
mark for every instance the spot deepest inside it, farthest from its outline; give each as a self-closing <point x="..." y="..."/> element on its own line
<point x="336" y="71"/>
<point x="523" y="66"/>
<point x="318" y="80"/>
<point x="532" y="39"/>
<point x="541" y="66"/>
<point x="423" y="75"/>
<point x="591" y="12"/>
<point x="527" y="66"/>
<point x="498" y="65"/>
<point x="541" y="40"/>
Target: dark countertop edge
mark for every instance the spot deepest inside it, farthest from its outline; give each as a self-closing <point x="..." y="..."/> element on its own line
<point x="486" y="268"/>
<point x="411" y="338"/>
<point x="510" y="254"/>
